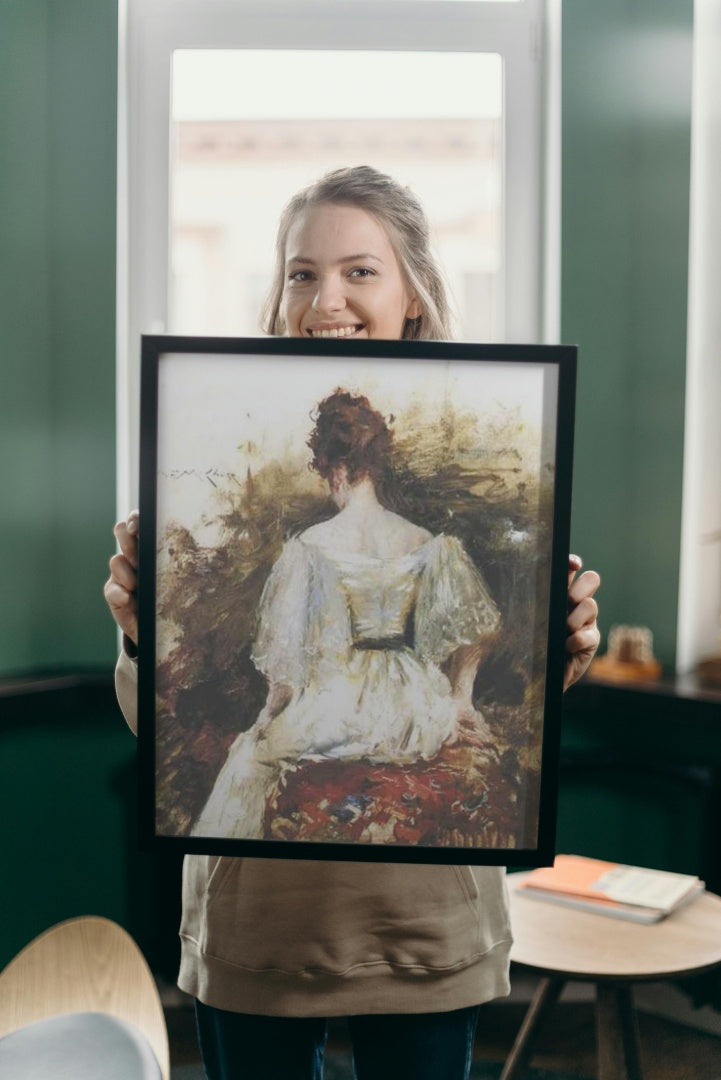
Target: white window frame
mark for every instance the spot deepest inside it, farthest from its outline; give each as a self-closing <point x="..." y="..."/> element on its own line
<point x="699" y="597"/>
<point x="526" y="34"/>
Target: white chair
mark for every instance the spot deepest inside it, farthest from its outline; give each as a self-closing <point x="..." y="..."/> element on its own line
<point x="79" y="1002"/>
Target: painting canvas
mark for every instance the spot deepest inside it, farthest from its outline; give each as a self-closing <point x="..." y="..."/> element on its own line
<point x="353" y="572"/>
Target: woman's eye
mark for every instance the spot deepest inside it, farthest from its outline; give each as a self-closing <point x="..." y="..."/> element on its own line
<point x="362" y="272"/>
<point x="300" y="276"/>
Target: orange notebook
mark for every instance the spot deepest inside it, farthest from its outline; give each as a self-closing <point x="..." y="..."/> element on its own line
<point x="631" y="892"/>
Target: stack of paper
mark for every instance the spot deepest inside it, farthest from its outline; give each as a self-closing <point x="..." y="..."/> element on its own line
<point x="608" y="888"/>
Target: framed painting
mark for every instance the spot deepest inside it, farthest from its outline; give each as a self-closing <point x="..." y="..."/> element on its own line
<point x="352" y="597"/>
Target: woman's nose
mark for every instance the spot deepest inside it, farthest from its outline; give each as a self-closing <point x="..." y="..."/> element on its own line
<point x="329" y="296"/>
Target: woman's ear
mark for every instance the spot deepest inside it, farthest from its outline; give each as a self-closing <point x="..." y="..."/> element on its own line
<point x="415" y="309"/>
<point x="339" y="485"/>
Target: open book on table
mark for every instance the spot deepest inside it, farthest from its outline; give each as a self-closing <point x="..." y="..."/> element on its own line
<point x="609" y="888"/>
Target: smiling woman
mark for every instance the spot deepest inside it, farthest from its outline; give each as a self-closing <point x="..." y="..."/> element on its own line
<point x="353" y="260"/>
<point x="337" y="294"/>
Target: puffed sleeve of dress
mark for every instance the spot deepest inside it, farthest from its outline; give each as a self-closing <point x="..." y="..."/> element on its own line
<point x="303" y="618"/>
<point x="454" y="606"/>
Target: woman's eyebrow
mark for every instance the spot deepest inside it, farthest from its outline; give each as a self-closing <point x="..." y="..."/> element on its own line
<point x="361" y="257"/>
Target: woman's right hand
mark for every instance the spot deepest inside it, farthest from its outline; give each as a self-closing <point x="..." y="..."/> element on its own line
<point x="121" y="587"/>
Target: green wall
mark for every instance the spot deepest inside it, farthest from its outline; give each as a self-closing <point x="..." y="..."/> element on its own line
<point x="68" y="803"/>
<point x="625" y="201"/>
<point x="66" y="759"/>
<point x="58" y="74"/>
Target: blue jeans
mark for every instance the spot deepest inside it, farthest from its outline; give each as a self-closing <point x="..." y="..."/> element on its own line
<point x="413" y="1046"/>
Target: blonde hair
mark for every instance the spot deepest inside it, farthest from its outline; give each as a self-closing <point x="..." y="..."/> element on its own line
<point x="403" y="217"/>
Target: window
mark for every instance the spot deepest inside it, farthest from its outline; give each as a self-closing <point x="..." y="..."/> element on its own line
<point x="235" y="161"/>
<point x="227" y="107"/>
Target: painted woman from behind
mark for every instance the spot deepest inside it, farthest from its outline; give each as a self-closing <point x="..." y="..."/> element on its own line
<point x="358" y="617"/>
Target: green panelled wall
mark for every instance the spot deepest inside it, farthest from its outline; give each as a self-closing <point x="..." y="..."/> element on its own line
<point x="66" y="761"/>
<point x="68" y="803"/>
<point x="57" y="329"/>
<point x="626" y="130"/>
<point x="625" y="205"/>
<point x="641" y="779"/>
<point x="26" y="489"/>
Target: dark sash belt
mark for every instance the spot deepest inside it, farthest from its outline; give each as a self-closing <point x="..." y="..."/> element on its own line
<point x="382" y="644"/>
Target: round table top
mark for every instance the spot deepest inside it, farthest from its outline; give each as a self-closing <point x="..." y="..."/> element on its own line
<point x="559" y="940"/>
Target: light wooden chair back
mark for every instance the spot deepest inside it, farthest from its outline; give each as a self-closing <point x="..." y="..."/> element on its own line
<point x="87" y="964"/>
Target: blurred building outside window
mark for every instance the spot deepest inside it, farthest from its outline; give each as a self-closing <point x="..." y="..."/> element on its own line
<point x="235" y="163"/>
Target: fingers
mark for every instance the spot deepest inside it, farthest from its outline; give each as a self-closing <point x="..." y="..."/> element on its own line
<point x="123" y="572"/>
<point x="123" y="608"/>
<point x="580" y="651"/>
<point x="586" y="640"/>
<point x="584" y="613"/>
<point x="584" y="586"/>
<point x="472" y="729"/>
<point x="120" y="600"/>
<point x="583" y="636"/>
<point x="121" y="587"/>
<point x="126" y="533"/>
<point x="575" y="562"/>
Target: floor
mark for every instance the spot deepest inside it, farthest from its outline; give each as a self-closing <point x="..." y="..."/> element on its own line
<point x="669" y="1050"/>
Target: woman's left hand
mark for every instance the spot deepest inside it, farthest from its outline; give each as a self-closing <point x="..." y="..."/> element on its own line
<point x="472" y="729"/>
<point x="583" y="636"/>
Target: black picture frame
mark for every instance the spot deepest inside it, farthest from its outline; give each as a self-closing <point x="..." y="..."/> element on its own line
<point x="482" y="460"/>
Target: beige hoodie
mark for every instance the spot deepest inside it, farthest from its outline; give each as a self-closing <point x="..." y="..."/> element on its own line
<point x="284" y="937"/>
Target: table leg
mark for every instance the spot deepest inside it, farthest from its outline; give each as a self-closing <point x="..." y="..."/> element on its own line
<point x="545" y="997"/>
<point x="617" y="1033"/>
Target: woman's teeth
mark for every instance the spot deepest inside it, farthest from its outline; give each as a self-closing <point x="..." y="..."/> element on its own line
<point x="337" y="331"/>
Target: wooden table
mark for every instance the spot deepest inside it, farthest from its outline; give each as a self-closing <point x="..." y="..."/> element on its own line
<point x="563" y="944"/>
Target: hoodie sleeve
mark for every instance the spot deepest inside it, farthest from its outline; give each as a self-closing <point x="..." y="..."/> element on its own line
<point x="126" y="688"/>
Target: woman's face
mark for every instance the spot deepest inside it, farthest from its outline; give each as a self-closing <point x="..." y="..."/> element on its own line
<point x="342" y="277"/>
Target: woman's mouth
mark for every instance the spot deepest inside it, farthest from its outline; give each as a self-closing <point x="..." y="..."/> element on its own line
<point x="335" y="331"/>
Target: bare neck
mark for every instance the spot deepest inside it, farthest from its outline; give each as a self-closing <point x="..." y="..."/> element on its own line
<point x="361" y="499"/>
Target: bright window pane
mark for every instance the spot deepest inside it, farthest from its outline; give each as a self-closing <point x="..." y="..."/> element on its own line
<point x="250" y="128"/>
<point x="455" y="1"/>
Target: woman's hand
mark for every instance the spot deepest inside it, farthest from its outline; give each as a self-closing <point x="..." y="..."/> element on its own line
<point x="278" y="697"/>
<point x="122" y="585"/>
<point x="471" y="729"/>
<point x="583" y="636"/>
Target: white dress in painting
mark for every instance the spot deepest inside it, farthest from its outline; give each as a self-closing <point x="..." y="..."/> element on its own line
<point x="358" y="641"/>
